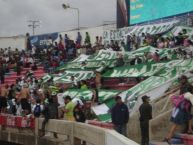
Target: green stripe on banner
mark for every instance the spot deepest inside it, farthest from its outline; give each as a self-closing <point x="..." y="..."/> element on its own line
<point x="104" y="95"/>
<point x="110" y="102"/>
<point x="93" y="61"/>
<point x="78" y="74"/>
<point x="140" y="70"/>
<point x="104" y="117"/>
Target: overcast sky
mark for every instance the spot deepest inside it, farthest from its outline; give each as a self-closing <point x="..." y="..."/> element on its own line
<point x="14" y="15"/>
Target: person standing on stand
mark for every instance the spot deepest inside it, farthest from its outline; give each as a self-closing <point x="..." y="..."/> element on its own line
<point x="50" y="112"/>
<point x="2" y="73"/>
<point x="120" y="116"/>
<point x="79" y="116"/>
<point x="87" y="39"/>
<point x="18" y="67"/>
<point x="145" y="111"/>
<point x="69" y="108"/>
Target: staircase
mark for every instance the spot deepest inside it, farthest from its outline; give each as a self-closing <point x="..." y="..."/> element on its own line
<point x="179" y="139"/>
<point x="160" y="124"/>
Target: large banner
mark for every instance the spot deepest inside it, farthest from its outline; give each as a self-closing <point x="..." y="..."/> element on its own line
<point x="103" y="95"/>
<point x="153" y="29"/>
<point x="179" y="29"/>
<point x="102" y="58"/>
<point x="155" y="86"/>
<point x="65" y="78"/>
<point x="141" y="70"/>
<point x="122" y="33"/>
<point x="43" y="41"/>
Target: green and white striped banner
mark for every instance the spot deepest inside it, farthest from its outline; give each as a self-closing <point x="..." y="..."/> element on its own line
<point x="140" y="52"/>
<point x="79" y="75"/>
<point x="95" y="61"/>
<point x="141" y="70"/>
<point x="81" y="58"/>
<point x="150" y="86"/>
<point x="152" y="29"/>
<point x="46" y="78"/>
<point x="86" y="95"/>
<point x="179" y="29"/>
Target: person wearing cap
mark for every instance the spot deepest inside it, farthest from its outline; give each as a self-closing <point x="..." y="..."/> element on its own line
<point x="145" y="111"/>
<point x="120" y="116"/>
<point x="69" y="108"/>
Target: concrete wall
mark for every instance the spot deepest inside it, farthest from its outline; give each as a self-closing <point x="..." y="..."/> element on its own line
<point x="160" y="125"/>
<point x="111" y="139"/>
<point x="91" y="134"/>
<point x="72" y="132"/>
<point x="24" y="137"/>
<point x="13" y="42"/>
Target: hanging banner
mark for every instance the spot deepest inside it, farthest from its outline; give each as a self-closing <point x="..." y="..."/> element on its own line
<point x="44" y="40"/>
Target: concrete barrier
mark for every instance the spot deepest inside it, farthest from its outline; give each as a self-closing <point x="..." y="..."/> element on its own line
<point x="73" y="132"/>
<point x="113" y="138"/>
<point x="85" y="132"/>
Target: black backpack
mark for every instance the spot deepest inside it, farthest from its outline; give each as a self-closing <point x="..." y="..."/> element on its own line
<point x="37" y="111"/>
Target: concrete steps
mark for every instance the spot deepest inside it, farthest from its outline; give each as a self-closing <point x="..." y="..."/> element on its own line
<point x="180" y="139"/>
<point x="10" y="78"/>
<point x="162" y="143"/>
<point x="188" y="139"/>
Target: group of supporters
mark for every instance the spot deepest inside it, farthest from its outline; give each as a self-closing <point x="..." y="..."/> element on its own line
<point x="58" y="53"/>
<point x="28" y="97"/>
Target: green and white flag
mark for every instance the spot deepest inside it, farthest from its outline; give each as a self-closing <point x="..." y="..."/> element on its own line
<point x="140" y="70"/>
<point x="79" y="75"/>
<point x="140" y="52"/>
<point x="79" y="93"/>
<point x="81" y="58"/>
<point x="103" y="95"/>
<point x="153" y="28"/>
<point x="46" y="78"/>
<point x="154" y="86"/>
<point x="94" y="61"/>
<point x="179" y="29"/>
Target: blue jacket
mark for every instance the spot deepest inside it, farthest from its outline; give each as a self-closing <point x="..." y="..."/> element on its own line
<point x="120" y="114"/>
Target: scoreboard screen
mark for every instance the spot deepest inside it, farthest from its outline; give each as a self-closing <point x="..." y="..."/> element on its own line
<point x="147" y="10"/>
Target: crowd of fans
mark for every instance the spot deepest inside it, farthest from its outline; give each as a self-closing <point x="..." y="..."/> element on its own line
<point x="159" y="40"/>
<point x="56" y="53"/>
<point x="30" y="96"/>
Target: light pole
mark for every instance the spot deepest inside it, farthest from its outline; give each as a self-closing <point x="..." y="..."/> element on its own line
<point x="68" y="7"/>
<point x="34" y="24"/>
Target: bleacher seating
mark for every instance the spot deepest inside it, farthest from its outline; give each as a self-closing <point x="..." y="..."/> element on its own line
<point x="10" y="78"/>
